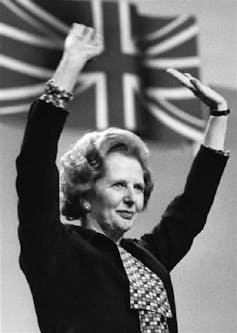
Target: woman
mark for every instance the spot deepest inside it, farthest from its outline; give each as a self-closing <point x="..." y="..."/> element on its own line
<point x="89" y="278"/>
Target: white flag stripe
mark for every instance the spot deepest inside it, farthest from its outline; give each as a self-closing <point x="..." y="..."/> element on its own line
<point x="127" y="43"/>
<point x="131" y="84"/>
<point x="98" y="79"/>
<point x="22" y="92"/>
<point x="166" y="29"/>
<point x="174" y="124"/>
<point x="14" y="109"/>
<point x="102" y="120"/>
<point x="86" y="80"/>
<point x="30" y="20"/>
<point x="179" y="112"/>
<point x="28" y="38"/>
<point x="171" y="93"/>
<point x="98" y="20"/>
<point x="45" y="16"/>
<point x="25" y="68"/>
<point x="173" y="41"/>
<point x="183" y="115"/>
<point x="164" y="63"/>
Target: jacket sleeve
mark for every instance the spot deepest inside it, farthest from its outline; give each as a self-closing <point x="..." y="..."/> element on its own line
<point x="186" y="215"/>
<point x="38" y="183"/>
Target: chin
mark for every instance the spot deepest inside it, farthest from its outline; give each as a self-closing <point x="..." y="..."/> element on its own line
<point x="126" y="225"/>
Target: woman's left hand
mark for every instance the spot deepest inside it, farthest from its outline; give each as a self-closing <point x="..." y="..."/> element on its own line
<point x="208" y="96"/>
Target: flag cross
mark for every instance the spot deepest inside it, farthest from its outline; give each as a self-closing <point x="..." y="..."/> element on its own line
<point x="115" y="71"/>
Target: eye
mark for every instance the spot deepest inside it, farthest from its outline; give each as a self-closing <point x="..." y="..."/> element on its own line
<point x="139" y="188"/>
<point x="119" y="185"/>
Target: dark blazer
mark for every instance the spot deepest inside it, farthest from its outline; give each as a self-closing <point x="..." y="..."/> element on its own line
<point x="76" y="275"/>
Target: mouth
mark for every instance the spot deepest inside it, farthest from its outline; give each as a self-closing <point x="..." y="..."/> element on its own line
<point x="126" y="214"/>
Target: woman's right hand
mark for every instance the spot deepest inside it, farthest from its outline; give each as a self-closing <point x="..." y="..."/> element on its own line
<point x="82" y="43"/>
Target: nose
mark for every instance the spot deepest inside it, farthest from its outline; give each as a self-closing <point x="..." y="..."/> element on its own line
<point x="129" y="197"/>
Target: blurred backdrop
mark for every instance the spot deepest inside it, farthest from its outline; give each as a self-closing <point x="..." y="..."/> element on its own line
<point x="199" y="37"/>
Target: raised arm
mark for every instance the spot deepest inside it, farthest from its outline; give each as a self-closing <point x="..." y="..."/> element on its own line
<point x="185" y="217"/>
<point x="37" y="179"/>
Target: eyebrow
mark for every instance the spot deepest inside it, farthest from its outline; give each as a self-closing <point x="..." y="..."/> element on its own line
<point x="124" y="180"/>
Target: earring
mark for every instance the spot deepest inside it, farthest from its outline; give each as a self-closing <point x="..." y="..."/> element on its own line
<point x="86" y="206"/>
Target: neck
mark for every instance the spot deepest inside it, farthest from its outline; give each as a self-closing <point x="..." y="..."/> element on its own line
<point x="91" y="223"/>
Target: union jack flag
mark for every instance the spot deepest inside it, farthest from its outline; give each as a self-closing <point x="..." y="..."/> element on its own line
<point x="169" y="42"/>
<point x="109" y="89"/>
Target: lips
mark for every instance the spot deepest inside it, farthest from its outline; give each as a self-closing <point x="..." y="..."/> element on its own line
<point x="126" y="214"/>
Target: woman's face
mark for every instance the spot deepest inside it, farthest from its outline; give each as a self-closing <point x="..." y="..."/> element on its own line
<point x="117" y="197"/>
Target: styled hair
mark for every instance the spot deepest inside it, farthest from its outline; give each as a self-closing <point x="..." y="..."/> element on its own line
<point x="84" y="163"/>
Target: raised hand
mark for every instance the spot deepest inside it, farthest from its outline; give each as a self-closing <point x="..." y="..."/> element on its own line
<point x="208" y="96"/>
<point x="83" y="42"/>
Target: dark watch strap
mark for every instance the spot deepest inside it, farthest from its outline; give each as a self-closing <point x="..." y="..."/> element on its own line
<point x="219" y="113"/>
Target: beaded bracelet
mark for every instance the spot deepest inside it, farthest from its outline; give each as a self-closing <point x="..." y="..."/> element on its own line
<point x="56" y="95"/>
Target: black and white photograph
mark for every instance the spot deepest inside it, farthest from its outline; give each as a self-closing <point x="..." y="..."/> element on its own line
<point x="118" y="166"/>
